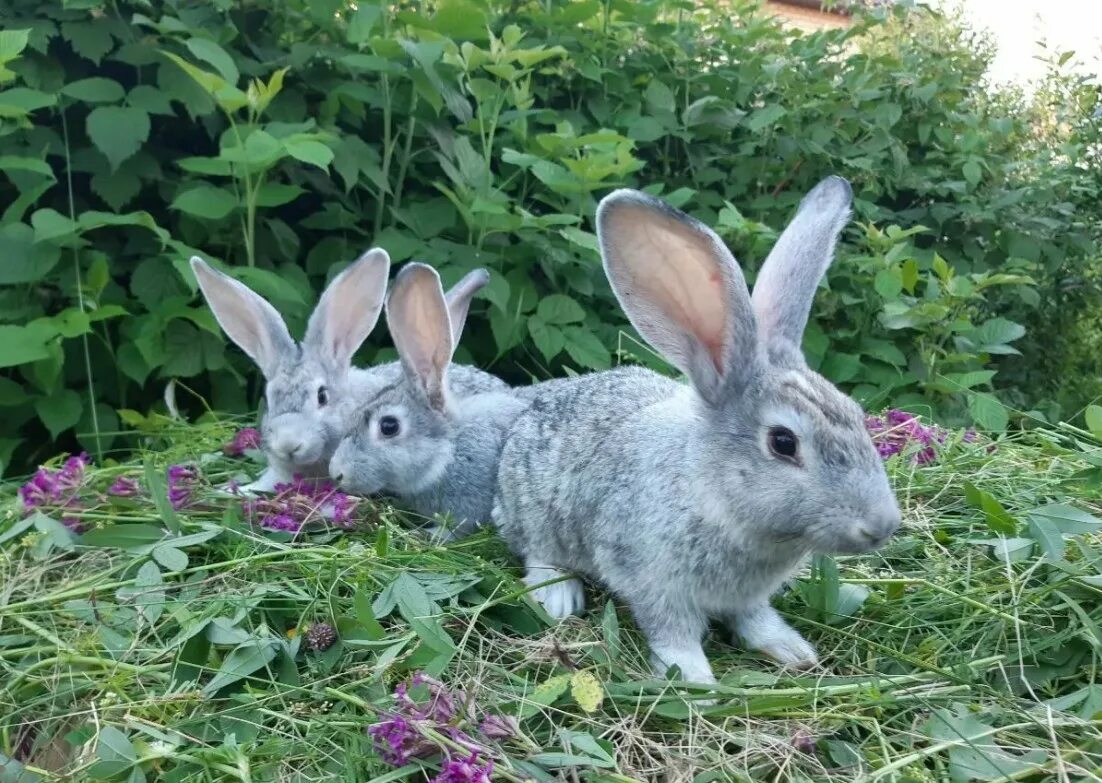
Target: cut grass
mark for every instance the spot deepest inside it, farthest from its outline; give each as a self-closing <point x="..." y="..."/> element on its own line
<point x="955" y="653"/>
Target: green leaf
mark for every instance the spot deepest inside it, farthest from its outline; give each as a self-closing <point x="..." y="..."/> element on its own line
<point x="972" y="172"/>
<point x="988" y="413"/>
<point x="274" y="194"/>
<point x="559" y="309"/>
<point x="206" y="201"/>
<point x="210" y="52"/>
<point x="151" y="100"/>
<point x="51" y="224"/>
<point x="245" y="660"/>
<point x="997" y="331"/>
<point x="309" y="151"/>
<point x="91" y="40"/>
<point x="60" y="411"/>
<point x="1045" y="533"/>
<point x="113" y="745"/>
<point x="1068" y="520"/>
<point x="974" y="754"/>
<point x="998" y="518"/>
<point x="585" y="349"/>
<point x="122" y="536"/>
<point x="548" y="339"/>
<point x="170" y="557"/>
<point x="24" y="260"/>
<point x="366" y="617"/>
<point x="23" y="344"/>
<point x="95" y="89"/>
<point x="117" y="131"/>
<point x="888" y="283"/>
<point x="12" y="44"/>
<point x="1094" y="419"/>
<point x="659" y="97"/>
<point x="767" y="115"/>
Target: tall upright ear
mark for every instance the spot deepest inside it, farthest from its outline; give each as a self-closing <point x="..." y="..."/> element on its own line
<point x="349" y="308"/>
<point x="681" y="288"/>
<point x="421" y="328"/>
<point x="247" y="318"/>
<point x="786" y="285"/>
<point x="459" y="299"/>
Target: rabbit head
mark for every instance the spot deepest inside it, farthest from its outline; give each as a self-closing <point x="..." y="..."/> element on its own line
<point x="402" y="441"/>
<point x="308" y="385"/>
<point x="780" y="442"/>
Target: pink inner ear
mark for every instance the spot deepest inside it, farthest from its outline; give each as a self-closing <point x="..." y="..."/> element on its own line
<point x="674" y="268"/>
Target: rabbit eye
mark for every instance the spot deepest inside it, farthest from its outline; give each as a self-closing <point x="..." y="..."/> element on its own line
<point x="388" y="426"/>
<point x="323" y="396"/>
<point x="783" y="444"/>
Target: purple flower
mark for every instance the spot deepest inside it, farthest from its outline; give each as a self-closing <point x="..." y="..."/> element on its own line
<point x="57" y="488"/>
<point x="181" y="484"/>
<point x="300" y="502"/>
<point x="246" y="439"/>
<point x="441" y="706"/>
<point x="282" y="522"/>
<point x="897" y="430"/>
<point x="467" y="771"/>
<point x="499" y="727"/>
<point x="397" y="740"/>
<point x="123" y="487"/>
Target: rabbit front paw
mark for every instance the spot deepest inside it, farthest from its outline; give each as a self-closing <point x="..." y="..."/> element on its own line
<point x="765" y="631"/>
<point x="560" y="599"/>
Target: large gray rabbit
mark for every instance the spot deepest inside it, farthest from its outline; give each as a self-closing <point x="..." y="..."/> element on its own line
<point x="697" y="501"/>
<point x="311" y="387"/>
<point x="415" y="439"/>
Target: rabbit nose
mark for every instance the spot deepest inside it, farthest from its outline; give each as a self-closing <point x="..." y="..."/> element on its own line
<point x="878" y="529"/>
<point x="287" y="448"/>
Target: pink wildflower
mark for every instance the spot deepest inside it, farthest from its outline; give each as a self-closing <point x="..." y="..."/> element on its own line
<point x="123" y="487"/>
<point x="181" y="483"/>
<point x="58" y="489"/>
<point x="247" y="439"/>
<point x="467" y="771"/>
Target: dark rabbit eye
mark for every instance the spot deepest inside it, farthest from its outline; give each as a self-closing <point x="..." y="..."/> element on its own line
<point x="323" y="396"/>
<point x="783" y="443"/>
<point x="388" y="426"/>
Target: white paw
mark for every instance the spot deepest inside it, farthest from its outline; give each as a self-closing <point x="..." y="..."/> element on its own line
<point x="766" y="631"/>
<point x="265" y="482"/>
<point x="560" y="599"/>
<point x="789" y="649"/>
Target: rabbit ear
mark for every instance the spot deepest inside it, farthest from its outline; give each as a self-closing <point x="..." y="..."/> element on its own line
<point x="247" y="318"/>
<point x="349" y="308"/>
<point x="786" y="285"/>
<point x="681" y="288"/>
<point x="421" y="328"/>
<point x="459" y="299"/>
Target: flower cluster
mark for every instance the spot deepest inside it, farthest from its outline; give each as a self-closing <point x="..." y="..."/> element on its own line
<point x="182" y="481"/>
<point x="247" y="439"/>
<point x="124" y="487"/>
<point x="402" y="735"/>
<point x="58" y="489"/>
<point x="299" y="502"/>
<point x="896" y="430"/>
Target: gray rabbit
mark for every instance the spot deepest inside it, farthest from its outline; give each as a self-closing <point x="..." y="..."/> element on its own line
<point x="697" y="501"/>
<point x="311" y="387"/>
<point x="415" y="439"/>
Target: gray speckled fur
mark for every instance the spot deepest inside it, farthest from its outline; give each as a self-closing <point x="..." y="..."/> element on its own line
<point x="668" y="492"/>
<point x="299" y="436"/>
<point x="444" y="459"/>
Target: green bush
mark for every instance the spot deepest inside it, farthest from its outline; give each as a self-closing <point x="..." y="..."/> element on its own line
<point x="283" y="138"/>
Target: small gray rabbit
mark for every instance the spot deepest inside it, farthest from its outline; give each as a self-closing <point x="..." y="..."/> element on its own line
<point x="414" y="439"/>
<point x="697" y="501"/>
<point x="311" y="387"/>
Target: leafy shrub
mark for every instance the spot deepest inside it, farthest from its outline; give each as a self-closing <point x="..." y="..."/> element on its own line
<point x="283" y="138"/>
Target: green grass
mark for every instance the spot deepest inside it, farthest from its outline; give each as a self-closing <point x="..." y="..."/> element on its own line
<point x="942" y="659"/>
